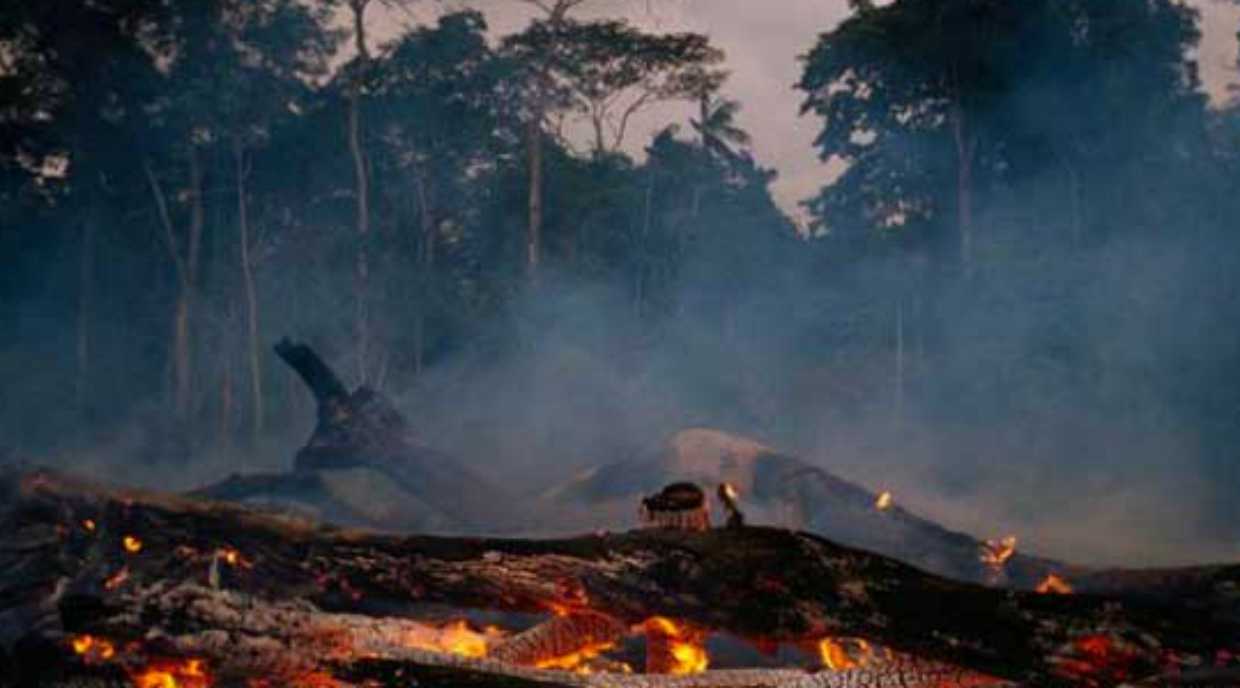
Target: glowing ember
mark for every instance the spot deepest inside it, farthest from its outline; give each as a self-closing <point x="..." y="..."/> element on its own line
<point x="233" y="558"/>
<point x="455" y="638"/>
<point x="883" y="502"/>
<point x="1054" y="585"/>
<point x="89" y="525"/>
<point x="576" y="661"/>
<point x="92" y="648"/>
<point x="189" y="673"/>
<point x="843" y="653"/>
<point x="131" y="544"/>
<point x="684" y="645"/>
<point x="995" y="553"/>
<point x="117" y="579"/>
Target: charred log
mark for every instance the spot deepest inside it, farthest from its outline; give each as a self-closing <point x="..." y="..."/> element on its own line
<point x="757" y="583"/>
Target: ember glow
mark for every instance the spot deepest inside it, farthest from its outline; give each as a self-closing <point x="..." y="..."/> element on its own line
<point x="883" y="502"/>
<point x="233" y="558"/>
<point x="685" y="645"/>
<point x="577" y="661"/>
<point x="93" y="649"/>
<point x="455" y="638"/>
<point x="131" y="544"/>
<point x="89" y="525"/>
<point x="188" y="673"/>
<point x="1054" y="585"/>
<point x="842" y="654"/>
<point x="117" y="579"/>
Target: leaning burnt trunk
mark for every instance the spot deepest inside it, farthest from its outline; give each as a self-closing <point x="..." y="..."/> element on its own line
<point x="64" y="578"/>
<point x="361" y="443"/>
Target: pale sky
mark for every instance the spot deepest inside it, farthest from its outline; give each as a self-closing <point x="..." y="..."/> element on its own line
<point x="763" y="39"/>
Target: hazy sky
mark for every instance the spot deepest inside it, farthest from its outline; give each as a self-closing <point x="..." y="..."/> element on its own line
<point x="763" y="39"/>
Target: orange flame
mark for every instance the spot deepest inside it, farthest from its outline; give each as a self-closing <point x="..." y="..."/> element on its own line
<point x="1054" y="585"/>
<point x="883" y="502"/>
<point x="836" y="654"/>
<point x="92" y="648"/>
<point x="686" y="646"/>
<point x="841" y="654"/>
<point x="454" y="638"/>
<point x="576" y="661"/>
<point x="189" y="673"/>
<point x="131" y="544"/>
<point x="233" y="558"/>
<point x="89" y="525"/>
<point x="117" y="579"/>
<point x="995" y="553"/>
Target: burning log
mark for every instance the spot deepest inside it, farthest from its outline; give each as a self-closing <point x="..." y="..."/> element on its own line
<point x="679" y="506"/>
<point x="563" y="642"/>
<point x="755" y="583"/>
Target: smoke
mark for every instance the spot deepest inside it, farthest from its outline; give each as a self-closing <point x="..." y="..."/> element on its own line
<point x="1073" y="398"/>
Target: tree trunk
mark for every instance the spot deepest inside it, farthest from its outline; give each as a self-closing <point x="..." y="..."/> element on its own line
<point x="966" y="145"/>
<point x="86" y="289"/>
<point x="426" y="267"/>
<point x="251" y="296"/>
<point x="362" y="329"/>
<point x="533" y="237"/>
<point x="899" y="395"/>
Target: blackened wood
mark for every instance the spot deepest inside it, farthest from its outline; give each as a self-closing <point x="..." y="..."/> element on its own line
<point x="758" y="583"/>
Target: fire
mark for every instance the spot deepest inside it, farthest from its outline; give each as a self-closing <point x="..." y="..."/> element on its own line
<point x="844" y="653"/>
<point x="576" y="661"/>
<point x="233" y="558"/>
<point x="455" y="638"/>
<point x="1055" y="585"/>
<point x="117" y="579"/>
<point x="89" y="525"/>
<point x="131" y="544"/>
<point x="188" y="673"/>
<point x="883" y="502"/>
<point x="995" y="553"/>
<point x="687" y="652"/>
<point x="92" y="648"/>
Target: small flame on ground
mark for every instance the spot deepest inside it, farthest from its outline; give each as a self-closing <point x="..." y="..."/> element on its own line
<point x="686" y="646"/>
<point x="233" y="558"/>
<point x="188" y="673"/>
<point x="92" y="648"/>
<point x="131" y="544"/>
<point x="454" y="638"/>
<point x="1054" y="585"/>
<point x="576" y="661"/>
<point x="841" y="654"/>
<point x="89" y="525"/>
<point x="995" y="553"/>
<point x="883" y="502"/>
<point x="117" y="579"/>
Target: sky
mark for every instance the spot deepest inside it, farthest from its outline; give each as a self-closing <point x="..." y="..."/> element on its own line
<point x="763" y="40"/>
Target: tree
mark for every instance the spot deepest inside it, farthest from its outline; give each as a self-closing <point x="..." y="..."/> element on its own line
<point x="434" y="97"/>
<point x="603" y="72"/>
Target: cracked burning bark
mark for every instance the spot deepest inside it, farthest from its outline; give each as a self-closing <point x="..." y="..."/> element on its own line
<point x="757" y="583"/>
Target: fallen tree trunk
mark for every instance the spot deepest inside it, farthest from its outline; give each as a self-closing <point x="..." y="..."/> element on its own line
<point x="85" y="546"/>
